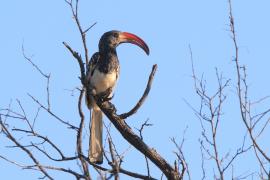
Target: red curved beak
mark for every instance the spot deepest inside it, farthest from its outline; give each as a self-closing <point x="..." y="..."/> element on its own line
<point x="126" y="37"/>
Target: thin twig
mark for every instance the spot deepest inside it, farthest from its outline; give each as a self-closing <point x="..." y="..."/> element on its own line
<point x="145" y="124"/>
<point x="82" y="32"/>
<point x="33" y="64"/>
<point x="85" y="31"/>
<point x="80" y="62"/>
<point x="25" y="118"/>
<point x="121" y="170"/>
<point x="46" y="139"/>
<point x="34" y="167"/>
<point x="202" y="161"/>
<point x="47" y="76"/>
<point x="51" y="113"/>
<point x="114" y="163"/>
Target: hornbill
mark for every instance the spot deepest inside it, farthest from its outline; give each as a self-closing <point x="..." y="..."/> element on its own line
<point x="102" y="74"/>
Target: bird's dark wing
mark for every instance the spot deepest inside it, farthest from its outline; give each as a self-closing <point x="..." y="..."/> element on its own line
<point x="92" y="64"/>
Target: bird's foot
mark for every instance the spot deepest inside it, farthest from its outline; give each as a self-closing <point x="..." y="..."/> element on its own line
<point x="105" y="96"/>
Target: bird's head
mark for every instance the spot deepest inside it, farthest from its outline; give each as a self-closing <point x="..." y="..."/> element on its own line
<point x="111" y="39"/>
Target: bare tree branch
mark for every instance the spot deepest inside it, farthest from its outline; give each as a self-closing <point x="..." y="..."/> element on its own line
<point x="47" y="76"/>
<point x="79" y="138"/>
<point x="145" y="124"/>
<point x="8" y="134"/>
<point x="242" y="90"/>
<point x="180" y="156"/>
<point x="210" y="113"/>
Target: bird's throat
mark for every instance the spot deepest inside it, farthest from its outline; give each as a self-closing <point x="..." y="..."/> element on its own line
<point x="108" y="62"/>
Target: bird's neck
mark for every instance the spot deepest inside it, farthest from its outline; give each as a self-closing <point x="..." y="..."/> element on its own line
<point x="107" y="54"/>
<point x="107" y="49"/>
<point x="108" y="60"/>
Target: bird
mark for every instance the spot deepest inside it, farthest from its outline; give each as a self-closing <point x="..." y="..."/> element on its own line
<point x="102" y="75"/>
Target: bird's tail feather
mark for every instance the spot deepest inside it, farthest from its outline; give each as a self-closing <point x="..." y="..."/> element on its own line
<point x="95" y="143"/>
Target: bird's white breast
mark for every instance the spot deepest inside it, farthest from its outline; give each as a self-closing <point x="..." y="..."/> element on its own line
<point x="101" y="82"/>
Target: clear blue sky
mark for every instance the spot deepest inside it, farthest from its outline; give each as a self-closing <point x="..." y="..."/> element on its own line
<point x="168" y="27"/>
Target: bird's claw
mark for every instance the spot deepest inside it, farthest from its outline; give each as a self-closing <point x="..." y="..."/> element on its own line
<point x="105" y="96"/>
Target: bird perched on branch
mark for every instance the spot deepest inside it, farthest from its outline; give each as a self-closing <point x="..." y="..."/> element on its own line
<point x="102" y="74"/>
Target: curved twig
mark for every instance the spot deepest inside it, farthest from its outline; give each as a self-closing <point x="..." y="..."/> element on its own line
<point x="144" y="96"/>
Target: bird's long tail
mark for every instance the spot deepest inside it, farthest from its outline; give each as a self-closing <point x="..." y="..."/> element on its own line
<point x="95" y="143"/>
